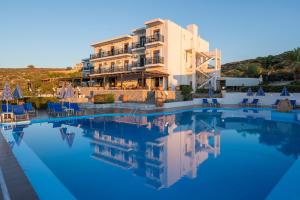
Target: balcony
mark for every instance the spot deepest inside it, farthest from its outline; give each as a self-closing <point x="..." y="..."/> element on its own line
<point x="137" y="45"/>
<point x="138" y="65"/>
<point x="113" y="53"/>
<point x="155" y="61"/>
<point x="155" y="39"/>
<point x="114" y="69"/>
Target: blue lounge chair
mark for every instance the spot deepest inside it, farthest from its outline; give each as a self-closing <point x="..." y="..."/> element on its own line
<point x="6" y="108"/>
<point x="293" y="103"/>
<point x="205" y="102"/>
<point x="244" y="102"/>
<point x="29" y="108"/>
<point x="19" y="112"/>
<point x="6" y="113"/>
<point x="50" y="107"/>
<point x="276" y="103"/>
<point x="58" y="110"/>
<point x="254" y="102"/>
<point x="215" y="103"/>
<point x="76" y="108"/>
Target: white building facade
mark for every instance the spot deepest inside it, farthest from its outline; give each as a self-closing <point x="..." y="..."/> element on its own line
<point x="160" y="54"/>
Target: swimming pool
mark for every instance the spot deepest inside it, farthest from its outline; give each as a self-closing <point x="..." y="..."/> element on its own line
<point x="195" y="154"/>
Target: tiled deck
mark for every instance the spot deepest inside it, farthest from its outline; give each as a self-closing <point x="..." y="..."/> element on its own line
<point x="16" y="182"/>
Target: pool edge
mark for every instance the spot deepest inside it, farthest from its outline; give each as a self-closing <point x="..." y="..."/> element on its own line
<point x="17" y="183"/>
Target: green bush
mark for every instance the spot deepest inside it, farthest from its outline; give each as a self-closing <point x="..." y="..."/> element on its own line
<point x="104" y="98"/>
<point x="40" y="102"/>
<point x="186" y="92"/>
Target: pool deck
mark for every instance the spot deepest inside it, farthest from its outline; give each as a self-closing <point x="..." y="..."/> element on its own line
<point x="15" y="181"/>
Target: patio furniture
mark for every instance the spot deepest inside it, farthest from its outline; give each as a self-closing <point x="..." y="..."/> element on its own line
<point x="19" y="112"/>
<point x="76" y="108"/>
<point x="276" y="103"/>
<point x="29" y="108"/>
<point x="293" y="103"/>
<point x="215" y="103"/>
<point x="205" y="102"/>
<point x="58" y="110"/>
<point x="6" y="114"/>
<point x="50" y="107"/>
<point x="254" y="102"/>
<point x="244" y="102"/>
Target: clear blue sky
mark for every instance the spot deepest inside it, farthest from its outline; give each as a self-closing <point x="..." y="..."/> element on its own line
<point x="59" y="32"/>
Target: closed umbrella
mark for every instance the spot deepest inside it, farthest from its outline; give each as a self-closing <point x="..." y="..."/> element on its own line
<point x="6" y="95"/>
<point x="249" y="92"/>
<point x="285" y="92"/>
<point x="69" y="93"/>
<point x="17" y="94"/>
<point x="260" y="92"/>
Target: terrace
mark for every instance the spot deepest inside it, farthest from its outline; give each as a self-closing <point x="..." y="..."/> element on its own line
<point x="111" y="54"/>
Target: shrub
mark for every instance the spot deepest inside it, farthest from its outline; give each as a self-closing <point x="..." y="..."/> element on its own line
<point x="40" y="102"/>
<point x="186" y="92"/>
<point x="104" y="98"/>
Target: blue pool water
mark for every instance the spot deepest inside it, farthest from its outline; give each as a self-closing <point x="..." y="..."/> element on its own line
<point x="196" y="154"/>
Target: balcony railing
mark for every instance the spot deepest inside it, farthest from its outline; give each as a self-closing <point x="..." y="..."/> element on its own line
<point x="113" y="69"/>
<point x="155" y="60"/>
<point x="138" y="64"/>
<point x="155" y="38"/>
<point x="136" y="45"/>
<point x="114" y="52"/>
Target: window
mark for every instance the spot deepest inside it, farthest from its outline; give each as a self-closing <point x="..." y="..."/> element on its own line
<point x="112" y="50"/>
<point x="142" y="41"/>
<point x="112" y="66"/>
<point x="99" y="68"/>
<point x="126" y="65"/>
<point x="142" y="60"/>
<point x="126" y="45"/>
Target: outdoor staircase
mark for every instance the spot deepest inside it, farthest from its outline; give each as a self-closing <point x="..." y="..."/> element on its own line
<point x="207" y="74"/>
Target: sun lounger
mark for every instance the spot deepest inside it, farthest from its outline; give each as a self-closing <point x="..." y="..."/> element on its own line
<point x="57" y="109"/>
<point x="76" y="108"/>
<point x="19" y="112"/>
<point x="254" y="102"/>
<point x="293" y="103"/>
<point x="205" y="102"/>
<point x="244" y="102"/>
<point x="276" y="103"/>
<point x="50" y="107"/>
<point x="29" y="108"/>
<point x="215" y="103"/>
<point x="6" y="108"/>
<point x="6" y="113"/>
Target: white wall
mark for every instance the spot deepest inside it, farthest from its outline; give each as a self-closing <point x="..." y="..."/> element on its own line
<point x="232" y="81"/>
<point x="237" y="97"/>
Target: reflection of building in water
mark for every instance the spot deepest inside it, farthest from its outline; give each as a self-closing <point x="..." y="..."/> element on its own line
<point x="161" y="158"/>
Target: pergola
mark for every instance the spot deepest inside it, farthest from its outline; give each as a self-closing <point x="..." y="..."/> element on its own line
<point x="130" y="75"/>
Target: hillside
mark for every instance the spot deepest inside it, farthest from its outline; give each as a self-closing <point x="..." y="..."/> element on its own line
<point x="284" y="66"/>
<point x="23" y="76"/>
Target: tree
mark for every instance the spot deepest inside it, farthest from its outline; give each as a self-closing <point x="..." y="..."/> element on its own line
<point x="294" y="55"/>
<point x="296" y="70"/>
<point x="253" y="70"/>
<point x="30" y="66"/>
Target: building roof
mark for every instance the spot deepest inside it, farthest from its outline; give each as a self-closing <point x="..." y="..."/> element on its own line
<point x="111" y="40"/>
<point x="154" y="22"/>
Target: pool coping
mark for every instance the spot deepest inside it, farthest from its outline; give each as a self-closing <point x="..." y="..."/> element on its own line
<point x="18" y="185"/>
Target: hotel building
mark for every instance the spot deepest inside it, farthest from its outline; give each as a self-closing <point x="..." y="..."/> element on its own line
<point x="161" y="54"/>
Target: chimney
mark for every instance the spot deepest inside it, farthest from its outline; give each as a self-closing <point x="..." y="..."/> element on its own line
<point x="193" y="28"/>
